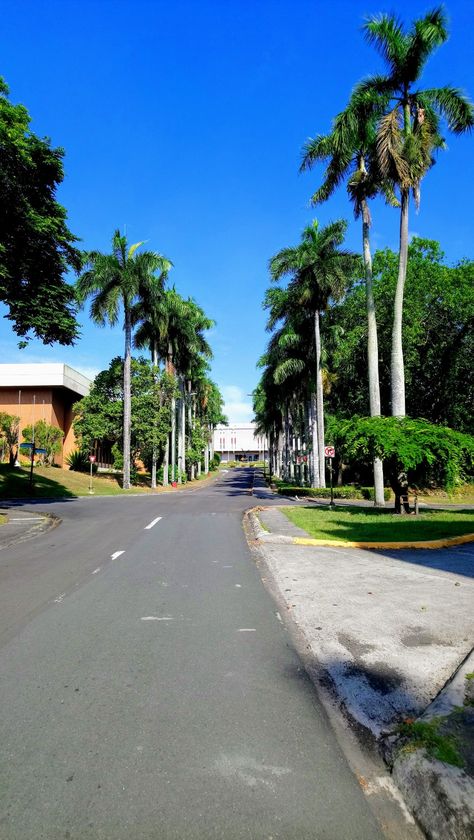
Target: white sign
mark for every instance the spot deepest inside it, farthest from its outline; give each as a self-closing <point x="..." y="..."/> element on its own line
<point x="329" y="451"/>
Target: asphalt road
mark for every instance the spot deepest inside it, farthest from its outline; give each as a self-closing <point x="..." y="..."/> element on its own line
<point x="155" y="694"/>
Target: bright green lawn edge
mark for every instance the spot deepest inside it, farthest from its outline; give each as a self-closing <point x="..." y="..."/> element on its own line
<point x="355" y="524"/>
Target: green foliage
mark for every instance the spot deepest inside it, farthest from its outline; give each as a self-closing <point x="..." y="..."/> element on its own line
<point x="98" y="416"/>
<point x="438" y="338"/>
<point x="407" y="445"/>
<point x="196" y="443"/>
<point x="78" y="461"/>
<point x="369" y="493"/>
<point x="419" y="734"/>
<point x="36" y="246"/>
<point x="46" y="436"/>
<point x="348" y="492"/>
<point x="9" y="429"/>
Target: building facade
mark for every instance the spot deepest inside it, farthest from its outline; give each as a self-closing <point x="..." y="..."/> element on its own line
<point x="239" y="442"/>
<point x="43" y="392"/>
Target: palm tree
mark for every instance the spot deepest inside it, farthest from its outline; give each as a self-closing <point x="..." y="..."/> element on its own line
<point x="409" y="133"/>
<point x="115" y="281"/>
<point x="319" y="271"/>
<point x="350" y="152"/>
<point x="292" y="367"/>
<point x="178" y="329"/>
<point x="150" y="313"/>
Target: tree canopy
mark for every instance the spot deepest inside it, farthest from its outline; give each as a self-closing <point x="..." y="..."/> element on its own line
<point x="36" y="246"/>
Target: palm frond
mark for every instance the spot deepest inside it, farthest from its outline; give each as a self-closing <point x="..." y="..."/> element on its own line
<point x="287" y="369"/>
<point x="453" y="105"/>
<point x="316" y="149"/>
<point x="428" y="33"/>
<point x="390" y="148"/>
<point x="385" y="33"/>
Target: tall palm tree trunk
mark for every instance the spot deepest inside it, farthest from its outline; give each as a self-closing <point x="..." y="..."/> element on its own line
<point x="397" y="368"/>
<point x="154" y="358"/>
<point x="173" y="439"/>
<point x="372" y="349"/>
<point x="181" y="432"/>
<point x="206" y="453"/>
<point x="315" y="478"/>
<point x="127" y="399"/>
<point x="166" y="461"/>
<point x="319" y="401"/>
<point x="190" y="424"/>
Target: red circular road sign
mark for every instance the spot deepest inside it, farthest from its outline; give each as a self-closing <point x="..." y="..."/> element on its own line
<point x="329" y="451"/>
<point x="92" y="458"/>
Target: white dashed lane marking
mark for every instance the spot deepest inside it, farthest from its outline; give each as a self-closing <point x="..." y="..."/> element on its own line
<point x="152" y="523"/>
<point x="116" y="554"/>
<point x="157" y="618"/>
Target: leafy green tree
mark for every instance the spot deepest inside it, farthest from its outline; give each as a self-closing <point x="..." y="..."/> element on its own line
<point x="405" y="444"/>
<point x="98" y="416"/>
<point x="117" y="281"/>
<point x="409" y="134"/>
<point x="438" y="338"/>
<point x="45" y="436"/>
<point x="9" y="430"/>
<point x="36" y="246"/>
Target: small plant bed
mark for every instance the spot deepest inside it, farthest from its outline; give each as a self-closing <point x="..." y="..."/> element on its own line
<point x="355" y="524"/>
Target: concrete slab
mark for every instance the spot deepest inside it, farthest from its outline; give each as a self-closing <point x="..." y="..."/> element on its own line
<point x="388" y="632"/>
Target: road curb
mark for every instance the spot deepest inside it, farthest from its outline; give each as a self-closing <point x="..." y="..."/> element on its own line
<point x="438" y="795"/>
<point x="357" y="742"/>
<point x="449" y="542"/>
<point x="49" y="521"/>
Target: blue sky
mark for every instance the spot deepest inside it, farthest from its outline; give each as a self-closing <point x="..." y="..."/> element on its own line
<point x="183" y="124"/>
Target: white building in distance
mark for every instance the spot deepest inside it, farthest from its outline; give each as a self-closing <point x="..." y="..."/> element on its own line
<point x="238" y="442"/>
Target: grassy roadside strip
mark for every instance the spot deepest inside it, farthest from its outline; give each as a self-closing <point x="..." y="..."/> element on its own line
<point x="357" y="525"/>
<point x="52" y="483"/>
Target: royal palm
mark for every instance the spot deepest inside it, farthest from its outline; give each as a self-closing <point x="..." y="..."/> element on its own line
<point x="115" y="282"/>
<point x="409" y="133"/>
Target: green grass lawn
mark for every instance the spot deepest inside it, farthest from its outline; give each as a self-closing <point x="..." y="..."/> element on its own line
<point x="56" y="483"/>
<point x="51" y="482"/>
<point x="369" y="525"/>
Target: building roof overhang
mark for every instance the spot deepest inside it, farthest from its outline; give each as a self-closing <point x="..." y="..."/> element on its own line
<point x="54" y="375"/>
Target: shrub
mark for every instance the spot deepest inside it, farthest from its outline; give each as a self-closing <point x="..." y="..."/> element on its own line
<point x="79" y="462"/>
<point x="349" y="492"/>
<point x="368" y="493"/>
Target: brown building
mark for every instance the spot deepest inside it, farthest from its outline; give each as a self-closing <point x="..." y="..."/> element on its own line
<point x="43" y="392"/>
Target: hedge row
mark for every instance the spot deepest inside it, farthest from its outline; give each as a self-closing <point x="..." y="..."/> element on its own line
<point x="349" y="492"/>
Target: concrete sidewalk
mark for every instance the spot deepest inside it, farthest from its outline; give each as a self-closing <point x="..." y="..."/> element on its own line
<point x="385" y="629"/>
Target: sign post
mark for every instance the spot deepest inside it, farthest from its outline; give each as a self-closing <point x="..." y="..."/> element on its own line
<point x="330" y="452"/>
<point x="92" y="461"/>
